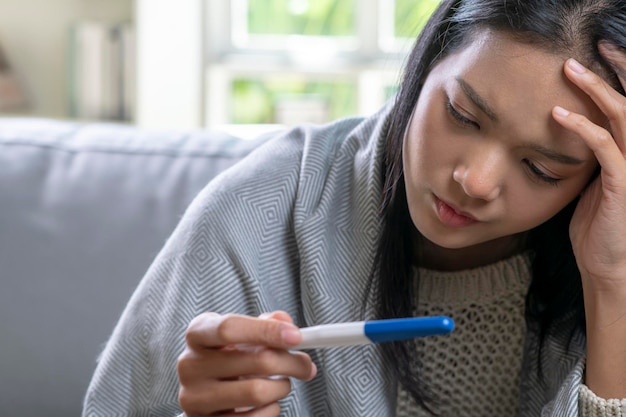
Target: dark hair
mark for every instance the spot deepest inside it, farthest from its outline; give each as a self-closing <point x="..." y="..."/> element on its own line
<point x="573" y="27"/>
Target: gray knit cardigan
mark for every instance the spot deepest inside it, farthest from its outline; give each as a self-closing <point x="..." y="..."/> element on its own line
<point x="293" y="227"/>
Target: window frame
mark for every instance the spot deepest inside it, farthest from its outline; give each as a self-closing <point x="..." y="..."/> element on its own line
<point x="202" y="83"/>
<point x="373" y="59"/>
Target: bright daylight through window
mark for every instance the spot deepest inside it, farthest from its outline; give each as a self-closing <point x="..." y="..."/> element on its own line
<point x="291" y="61"/>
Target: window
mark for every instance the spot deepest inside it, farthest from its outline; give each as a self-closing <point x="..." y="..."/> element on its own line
<point x="290" y="61"/>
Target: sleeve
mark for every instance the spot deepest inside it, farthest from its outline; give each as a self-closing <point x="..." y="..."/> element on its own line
<point x="591" y="405"/>
<point x="565" y="401"/>
<point x="575" y="399"/>
<point x="212" y="262"/>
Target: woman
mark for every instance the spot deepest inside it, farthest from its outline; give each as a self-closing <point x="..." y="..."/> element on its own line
<point x="492" y="190"/>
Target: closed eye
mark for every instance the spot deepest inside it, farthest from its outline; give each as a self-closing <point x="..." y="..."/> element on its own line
<point x="459" y="118"/>
<point x="539" y="174"/>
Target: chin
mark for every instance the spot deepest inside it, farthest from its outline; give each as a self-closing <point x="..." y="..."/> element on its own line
<point x="450" y="241"/>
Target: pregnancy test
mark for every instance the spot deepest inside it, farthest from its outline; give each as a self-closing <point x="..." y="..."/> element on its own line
<point x="375" y="331"/>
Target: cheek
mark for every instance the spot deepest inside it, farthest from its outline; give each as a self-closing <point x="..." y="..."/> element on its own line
<point x="532" y="208"/>
<point x="530" y="214"/>
<point x="425" y="145"/>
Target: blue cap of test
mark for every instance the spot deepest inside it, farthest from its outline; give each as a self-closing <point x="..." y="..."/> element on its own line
<point x="407" y="328"/>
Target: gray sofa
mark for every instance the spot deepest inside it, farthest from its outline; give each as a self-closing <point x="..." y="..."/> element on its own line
<point x="84" y="209"/>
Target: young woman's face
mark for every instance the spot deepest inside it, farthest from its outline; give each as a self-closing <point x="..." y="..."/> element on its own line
<point x="483" y="157"/>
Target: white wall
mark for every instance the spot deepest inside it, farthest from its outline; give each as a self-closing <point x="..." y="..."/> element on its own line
<point x="170" y="63"/>
<point x="34" y="35"/>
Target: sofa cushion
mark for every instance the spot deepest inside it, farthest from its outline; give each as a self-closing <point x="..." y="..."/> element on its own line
<point x="84" y="208"/>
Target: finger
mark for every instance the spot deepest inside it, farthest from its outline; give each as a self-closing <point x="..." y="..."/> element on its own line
<point x="277" y="315"/>
<point x="270" y="410"/>
<point x="212" y="330"/>
<point x="616" y="58"/>
<point x="231" y="363"/>
<point x="216" y="396"/>
<point x="599" y="140"/>
<point x="610" y="102"/>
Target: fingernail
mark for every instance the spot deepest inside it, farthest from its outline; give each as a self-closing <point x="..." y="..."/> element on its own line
<point x="576" y="66"/>
<point x="560" y="111"/>
<point x="290" y="334"/>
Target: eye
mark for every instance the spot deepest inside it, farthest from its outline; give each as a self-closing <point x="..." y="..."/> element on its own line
<point x="459" y="118"/>
<point x="539" y="174"/>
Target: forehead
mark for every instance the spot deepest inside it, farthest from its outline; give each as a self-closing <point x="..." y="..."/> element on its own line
<point x="521" y="81"/>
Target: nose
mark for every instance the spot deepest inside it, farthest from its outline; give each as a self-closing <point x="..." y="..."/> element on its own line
<point x="481" y="174"/>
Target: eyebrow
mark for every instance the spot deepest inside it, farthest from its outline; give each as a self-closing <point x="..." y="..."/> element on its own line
<point x="477" y="99"/>
<point x="482" y="105"/>
<point x="554" y="155"/>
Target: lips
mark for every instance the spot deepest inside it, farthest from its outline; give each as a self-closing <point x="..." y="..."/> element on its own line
<point x="450" y="216"/>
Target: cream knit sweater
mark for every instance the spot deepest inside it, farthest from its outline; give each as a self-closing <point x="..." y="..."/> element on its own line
<point x="475" y="371"/>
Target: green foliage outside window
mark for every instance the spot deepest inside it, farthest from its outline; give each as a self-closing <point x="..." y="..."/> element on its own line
<point x="254" y="99"/>
<point x="302" y="17"/>
<point x="411" y="16"/>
